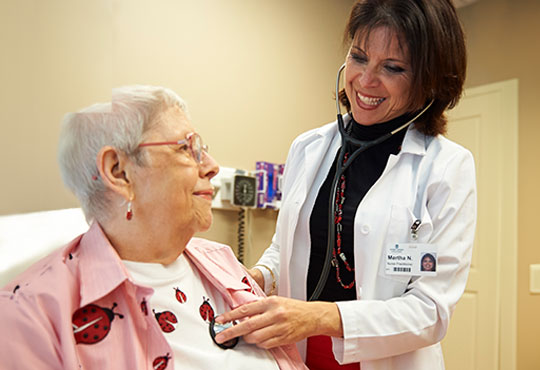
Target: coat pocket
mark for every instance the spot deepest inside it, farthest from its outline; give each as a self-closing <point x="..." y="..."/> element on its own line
<point x="406" y="227"/>
<point x="400" y="230"/>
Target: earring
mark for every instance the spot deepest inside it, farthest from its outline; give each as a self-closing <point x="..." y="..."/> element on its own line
<point x="129" y="213"/>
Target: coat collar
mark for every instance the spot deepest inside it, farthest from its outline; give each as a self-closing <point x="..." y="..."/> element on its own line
<point x="415" y="142"/>
<point x="326" y="140"/>
<point x="318" y="143"/>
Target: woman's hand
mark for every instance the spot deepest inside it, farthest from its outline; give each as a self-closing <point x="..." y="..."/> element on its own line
<point x="257" y="275"/>
<point x="276" y="321"/>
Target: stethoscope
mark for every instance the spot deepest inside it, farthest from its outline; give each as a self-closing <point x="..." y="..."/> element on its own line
<point x="362" y="146"/>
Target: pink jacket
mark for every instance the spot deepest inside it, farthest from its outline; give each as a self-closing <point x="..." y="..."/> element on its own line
<point x="49" y="314"/>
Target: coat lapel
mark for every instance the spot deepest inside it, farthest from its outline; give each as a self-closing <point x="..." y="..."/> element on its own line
<point x="317" y="147"/>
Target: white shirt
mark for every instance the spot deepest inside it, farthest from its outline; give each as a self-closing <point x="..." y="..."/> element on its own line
<point x="183" y="303"/>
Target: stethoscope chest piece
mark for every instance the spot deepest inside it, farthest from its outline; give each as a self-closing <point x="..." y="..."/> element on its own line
<point x="216" y="328"/>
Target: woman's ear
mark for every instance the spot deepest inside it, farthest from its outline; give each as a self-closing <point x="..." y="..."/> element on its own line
<point x="114" y="169"/>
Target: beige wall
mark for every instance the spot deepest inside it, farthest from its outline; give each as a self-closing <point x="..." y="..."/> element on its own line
<point x="504" y="43"/>
<point x="255" y="74"/>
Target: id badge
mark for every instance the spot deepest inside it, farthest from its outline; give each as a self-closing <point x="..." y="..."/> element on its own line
<point x="412" y="259"/>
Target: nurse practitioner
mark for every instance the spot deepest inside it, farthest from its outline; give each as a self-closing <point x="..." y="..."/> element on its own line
<point x="411" y="194"/>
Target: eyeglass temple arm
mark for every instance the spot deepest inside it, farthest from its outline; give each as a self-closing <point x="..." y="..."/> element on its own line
<point x="179" y="142"/>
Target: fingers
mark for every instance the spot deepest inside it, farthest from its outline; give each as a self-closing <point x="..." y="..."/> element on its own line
<point x="247" y="329"/>
<point x="250" y="321"/>
<point x="268" y="337"/>
<point x="258" y="330"/>
<point x="272" y="322"/>
<point x="241" y="312"/>
<point x="276" y="321"/>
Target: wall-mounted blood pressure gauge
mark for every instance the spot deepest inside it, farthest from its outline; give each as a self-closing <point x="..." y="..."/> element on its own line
<point x="244" y="191"/>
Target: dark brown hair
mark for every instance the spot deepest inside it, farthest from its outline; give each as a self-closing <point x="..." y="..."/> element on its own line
<point x="431" y="32"/>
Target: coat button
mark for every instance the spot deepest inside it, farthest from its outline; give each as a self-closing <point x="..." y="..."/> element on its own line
<point x="365" y="229"/>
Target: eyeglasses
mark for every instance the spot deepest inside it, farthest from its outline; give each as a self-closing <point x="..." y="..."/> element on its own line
<point x="193" y="141"/>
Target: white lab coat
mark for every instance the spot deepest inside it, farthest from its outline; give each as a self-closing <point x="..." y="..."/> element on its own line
<point x="397" y="321"/>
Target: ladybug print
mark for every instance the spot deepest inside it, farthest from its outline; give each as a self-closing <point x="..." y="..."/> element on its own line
<point x="161" y="362"/>
<point x="144" y="307"/>
<point x="166" y="319"/>
<point x="180" y="296"/>
<point x="246" y="281"/>
<point x="92" y="323"/>
<point x="206" y="310"/>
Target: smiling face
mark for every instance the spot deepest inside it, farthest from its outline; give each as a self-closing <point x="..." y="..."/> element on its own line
<point x="377" y="77"/>
<point x="427" y="263"/>
<point x="172" y="191"/>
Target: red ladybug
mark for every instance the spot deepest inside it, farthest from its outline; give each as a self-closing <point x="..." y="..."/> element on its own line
<point x="144" y="307"/>
<point x="246" y="281"/>
<point x="92" y="323"/>
<point x="166" y="319"/>
<point x="161" y="362"/>
<point x="180" y="296"/>
<point x="206" y="310"/>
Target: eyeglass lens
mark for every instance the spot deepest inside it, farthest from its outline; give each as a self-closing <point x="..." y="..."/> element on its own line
<point x="196" y="147"/>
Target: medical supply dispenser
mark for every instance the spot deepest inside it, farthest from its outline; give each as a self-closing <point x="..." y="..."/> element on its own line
<point x="269" y="177"/>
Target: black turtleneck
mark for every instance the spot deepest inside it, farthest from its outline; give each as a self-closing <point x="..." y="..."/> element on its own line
<point x="360" y="177"/>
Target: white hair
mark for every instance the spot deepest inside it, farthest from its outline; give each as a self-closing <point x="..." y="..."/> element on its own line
<point x="121" y="124"/>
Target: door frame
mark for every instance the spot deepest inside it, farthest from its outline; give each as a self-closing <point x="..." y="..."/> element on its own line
<point x="507" y="227"/>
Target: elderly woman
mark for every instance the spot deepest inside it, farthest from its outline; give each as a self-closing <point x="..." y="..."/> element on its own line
<point x="137" y="291"/>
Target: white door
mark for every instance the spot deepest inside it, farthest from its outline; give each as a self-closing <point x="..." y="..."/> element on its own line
<point x="482" y="333"/>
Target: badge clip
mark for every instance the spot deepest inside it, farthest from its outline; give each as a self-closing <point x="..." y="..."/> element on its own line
<point x="414" y="229"/>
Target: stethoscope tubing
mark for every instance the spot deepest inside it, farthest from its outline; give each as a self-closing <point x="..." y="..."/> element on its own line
<point x="340" y="170"/>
